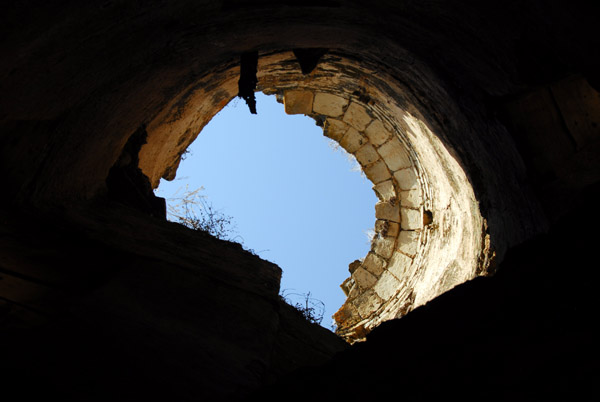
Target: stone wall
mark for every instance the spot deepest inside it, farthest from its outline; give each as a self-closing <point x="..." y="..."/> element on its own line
<point x="476" y="121"/>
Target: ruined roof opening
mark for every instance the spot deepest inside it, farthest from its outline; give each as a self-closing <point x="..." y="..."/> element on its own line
<point x="292" y="199"/>
<point x="430" y="233"/>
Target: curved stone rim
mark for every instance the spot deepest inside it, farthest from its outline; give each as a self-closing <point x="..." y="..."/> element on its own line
<point x="430" y="233"/>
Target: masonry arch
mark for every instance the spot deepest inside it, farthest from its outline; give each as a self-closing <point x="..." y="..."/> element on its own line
<point x="431" y="235"/>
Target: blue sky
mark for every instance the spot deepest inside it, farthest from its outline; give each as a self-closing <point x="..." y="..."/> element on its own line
<point x="294" y="200"/>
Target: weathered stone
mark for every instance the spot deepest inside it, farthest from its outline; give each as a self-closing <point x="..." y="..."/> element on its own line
<point x="393" y="229"/>
<point x="377" y="133"/>
<point x="357" y="116"/>
<point x="384" y="246"/>
<point x="374" y="264"/>
<point x="387" y="210"/>
<point x="366" y="155"/>
<point x="408" y="242"/>
<point x="386" y="228"/>
<point x="406" y="179"/>
<point x="381" y="227"/>
<point x="367" y="303"/>
<point x="334" y="129"/>
<point x="329" y="104"/>
<point x="385" y="190"/>
<point x="377" y="172"/>
<point x="394" y="154"/>
<point x="298" y="102"/>
<point x="363" y="278"/>
<point x="411" y="198"/>
<point x="411" y="219"/>
<point x="399" y="265"/>
<point x="347" y="285"/>
<point x="347" y="314"/>
<point x="352" y="140"/>
<point x="386" y="286"/>
<point x="353" y="265"/>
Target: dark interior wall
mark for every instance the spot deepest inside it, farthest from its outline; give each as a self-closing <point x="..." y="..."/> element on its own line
<point x="79" y="79"/>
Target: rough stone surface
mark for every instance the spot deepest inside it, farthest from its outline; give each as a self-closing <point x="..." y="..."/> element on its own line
<point x="406" y="179"/>
<point x="366" y="155"/>
<point x="394" y="154"/>
<point x="377" y="133"/>
<point x="386" y="286"/>
<point x="377" y="172"/>
<point x="393" y="229"/>
<point x="374" y="264"/>
<point x="329" y="104"/>
<point x="388" y="211"/>
<point x="497" y="103"/>
<point x="411" y="219"/>
<point x="298" y="102"/>
<point x="411" y="198"/>
<point x="367" y="303"/>
<point x="352" y="140"/>
<point x="385" y="190"/>
<point x="408" y="242"/>
<point x="335" y="129"/>
<point x="384" y="246"/>
<point x="400" y="265"/>
<point x="363" y="278"/>
<point x="357" y="116"/>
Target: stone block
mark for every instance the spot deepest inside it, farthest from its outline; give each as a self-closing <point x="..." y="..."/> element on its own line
<point x="394" y="154"/>
<point x="385" y="190"/>
<point x="393" y="229"/>
<point x="386" y="286"/>
<point x="298" y="102"/>
<point x="347" y="286"/>
<point x="377" y="133"/>
<point x="411" y="198"/>
<point x="408" y="242"/>
<point x="357" y="116"/>
<point x="411" y="219"/>
<point x="329" y="104"/>
<point x="353" y="265"/>
<point x="377" y="172"/>
<point x="381" y="227"/>
<point x="363" y="278"/>
<point x="399" y="265"/>
<point x="387" y="228"/>
<point x="406" y="179"/>
<point x="334" y="129"/>
<point x="367" y="303"/>
<point x="366" y="155"/>
<point x="347" y="315"/>
<point x="352" y="140"/>
<point x="388" y="211"/>
<point x="384" y="246"/>
<point x="374" y="264"/>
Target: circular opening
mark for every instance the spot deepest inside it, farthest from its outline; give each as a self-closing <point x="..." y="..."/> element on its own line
<point x="275" y="184"/>
<point x="430" y="235"/>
